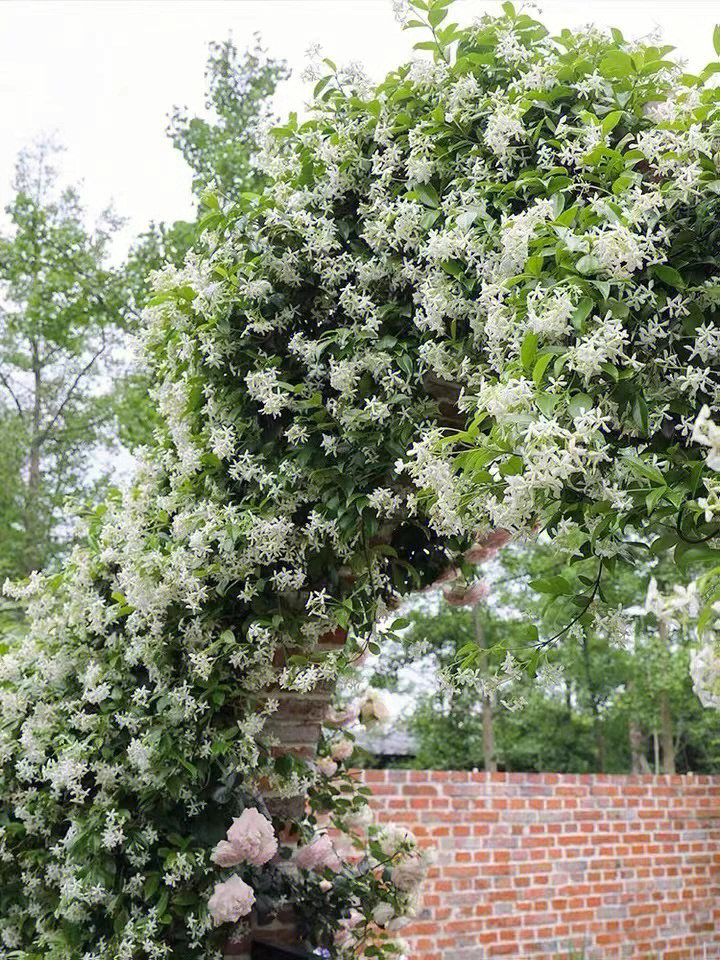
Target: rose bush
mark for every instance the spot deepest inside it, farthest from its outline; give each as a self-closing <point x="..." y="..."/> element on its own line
<point x="479" y="298"/>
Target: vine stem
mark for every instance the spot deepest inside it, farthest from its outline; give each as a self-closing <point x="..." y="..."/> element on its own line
<point x="596" y="587"/>
<point x="684" y="537"/>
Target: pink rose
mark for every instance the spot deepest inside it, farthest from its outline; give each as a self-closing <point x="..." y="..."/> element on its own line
<point x="318" y="855"/>
<point x="231" y="900"/>
<point x="326" y="766"/>
<point x="348" y="851"/>
<point x="360" y="819"/>
<point x="253" y="837"/>
<point x="342" y="749"/>
<point x="349" y="923"/>
<point x="342" y="937"/>
<point x="383" y="913"/>
<point x="452" y="573"/>
<point x="226" y="855"/>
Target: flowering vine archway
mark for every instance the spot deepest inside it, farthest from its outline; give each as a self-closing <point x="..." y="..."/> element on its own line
<point x="480" y="295"/>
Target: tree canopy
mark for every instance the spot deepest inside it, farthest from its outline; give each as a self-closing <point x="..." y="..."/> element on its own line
<point x="63" y="320"/>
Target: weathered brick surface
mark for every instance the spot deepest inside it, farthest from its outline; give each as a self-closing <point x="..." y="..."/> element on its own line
<point x="539" y="865"/>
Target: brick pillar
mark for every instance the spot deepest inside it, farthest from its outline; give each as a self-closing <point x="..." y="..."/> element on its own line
<point x="296" y="725"/>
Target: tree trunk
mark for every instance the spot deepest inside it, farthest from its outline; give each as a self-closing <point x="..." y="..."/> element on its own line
<point x="638" y="743"/>
<point x="597" y="719"/>
<point x="666" y="723"/>
<point x="32" y="559"/>
<point x="666" y="733"/>
<point x="637" y="737"/>
<point x="489" y="761"/>
<point x="656" y="751"/>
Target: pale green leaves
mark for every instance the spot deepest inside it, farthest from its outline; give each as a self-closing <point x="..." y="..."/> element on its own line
<point x="616" y="64"/>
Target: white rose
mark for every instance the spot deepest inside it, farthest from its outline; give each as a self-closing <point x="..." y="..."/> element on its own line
<point x="382" y="913"/>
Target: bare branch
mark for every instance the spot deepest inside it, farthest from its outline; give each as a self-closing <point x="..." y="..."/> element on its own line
<point x="5" y="382"/>
<point x="73" y="388"/>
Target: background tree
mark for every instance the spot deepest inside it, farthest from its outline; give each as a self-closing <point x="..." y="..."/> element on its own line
<point x="612" y="706"/>
<point x="239" y="91"/>
<point x="218" y="148"/>
<point x="63" y="322"/>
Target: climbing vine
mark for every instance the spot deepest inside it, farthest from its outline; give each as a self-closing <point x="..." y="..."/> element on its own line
<point x="480" y="295"/>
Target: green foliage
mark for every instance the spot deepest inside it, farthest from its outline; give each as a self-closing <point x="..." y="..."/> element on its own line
<point x="218" y="149"/>
<point x="239" y="88"/>
<point x="62" y="322"/>
<point x="578" y="723"/>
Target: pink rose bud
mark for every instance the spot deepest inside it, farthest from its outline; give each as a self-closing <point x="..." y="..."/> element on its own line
<point x="373" y="709"/>
<point x="383" y="913"/>
<point x="487" y="546"/>
<point x="252" y="835"/>
<point x="408" y="873"/>
<point x="231" y="900"/>
<point x="447" y="576"/>
<point x="344" y="717"/>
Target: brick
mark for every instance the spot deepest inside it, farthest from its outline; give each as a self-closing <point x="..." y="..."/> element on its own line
<point x="531" y="865"/>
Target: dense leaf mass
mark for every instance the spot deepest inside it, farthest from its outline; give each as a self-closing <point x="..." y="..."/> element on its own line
<point x="511" y="247"/>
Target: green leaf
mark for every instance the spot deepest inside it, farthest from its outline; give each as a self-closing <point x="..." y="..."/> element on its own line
<point x="640" y="414"/>
<point x="616" y="64"/>
<point x="540" y="367"/>
<point x="716" y="39"/>
<point x="603" y="286"/>
<point x="661" y="544"/>
<point x="528" y="350"/>
<point x="427" y="194"/>
<point x="621" y="184"/>
<point x="151" y="885"/>
<point x="653" y="497"/>
<point x="587" y="264"/>
<point x="512" y="466"/>
<point x="646" y="470"/>
<point x="579" y="403"/>
<point x="669" y="275"/>
<point x="689" y="555"/>
<point x="556" y="586"/>
<point x="581" y="313"/>
<point x="454" y="268"/>
<point x="547" y="402"/>
<point x="611" y="120"/>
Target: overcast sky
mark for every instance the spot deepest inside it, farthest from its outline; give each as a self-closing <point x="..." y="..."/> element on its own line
<point x="103" y="74"/>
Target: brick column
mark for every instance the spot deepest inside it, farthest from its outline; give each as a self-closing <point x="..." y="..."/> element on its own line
<point x="296" y="725"/>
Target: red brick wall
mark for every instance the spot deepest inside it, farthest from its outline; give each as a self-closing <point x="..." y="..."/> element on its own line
<point x="536" y="865"/>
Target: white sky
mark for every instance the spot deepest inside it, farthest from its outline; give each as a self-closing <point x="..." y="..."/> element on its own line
<point x="103" y="74"/>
